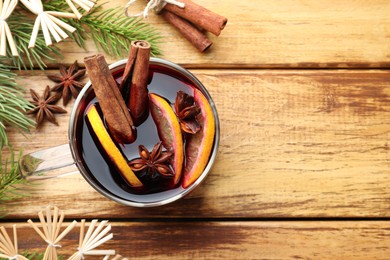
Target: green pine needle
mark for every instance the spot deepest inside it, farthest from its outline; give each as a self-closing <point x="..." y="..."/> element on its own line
<point x="13" y="105"/>
<point x="113" y="32"/>
<point x="21" y="27"/>
<point x="110" y="29"/>
<point x="11" y="182"/>
<point x="36" y="256"/>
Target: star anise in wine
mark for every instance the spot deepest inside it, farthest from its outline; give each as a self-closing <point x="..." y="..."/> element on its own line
<point x="154" y="163"/>
<point x="68" y="82"/>
<point x="186" y="110"/>
<point x="44" y="107"/>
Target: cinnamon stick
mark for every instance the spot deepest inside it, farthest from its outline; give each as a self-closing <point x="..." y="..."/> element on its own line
<point x="135" y="77"/>
<point x="200" y="16"/>
<point x="110" y="99"/>
<point x="189" y="31"/>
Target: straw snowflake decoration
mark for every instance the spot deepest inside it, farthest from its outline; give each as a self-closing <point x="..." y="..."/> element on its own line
<point x="48" y="21"/>
<point x="92" y="239"/>
<point x="51" y="226"/>
<point x="85" y="4"/>
<point x="51" y="220"/>
<point x="8" y="249"/>
<point x="6" y="10"/>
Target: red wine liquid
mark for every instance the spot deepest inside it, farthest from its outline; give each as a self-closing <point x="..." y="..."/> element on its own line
<point x="164" y="82"/>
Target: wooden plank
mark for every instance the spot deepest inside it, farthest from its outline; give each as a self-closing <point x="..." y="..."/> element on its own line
<point x="304" y="143"/>
<point x="279" y="34"/>
<point x="235" y="240"/>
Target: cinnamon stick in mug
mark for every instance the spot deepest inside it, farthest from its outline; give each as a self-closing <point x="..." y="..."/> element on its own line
<point x="189" y="31"/>
<point x="135" y="78"/>
<point x="110" y="99"/>
<point x="200" y="16"/>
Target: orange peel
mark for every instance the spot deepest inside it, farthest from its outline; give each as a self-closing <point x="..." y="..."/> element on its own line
<point x="110" y="147"/>
<point x="199" y="145"/>
<point x="169" y="131"/>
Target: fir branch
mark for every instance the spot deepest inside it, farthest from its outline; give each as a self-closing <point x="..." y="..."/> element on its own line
<point x="110" y="29"/>
<point x="113" y="32"/>
<point x="21" y="28"/>
<point x="13" y="105"/>
<point x="37" y="256"/>
<point x="11" y="182"/>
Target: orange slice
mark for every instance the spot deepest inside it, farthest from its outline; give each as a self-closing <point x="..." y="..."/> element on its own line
<point x="111" y="149"/>
<point x="199" y="145"/>
<point x="169" y="131"/>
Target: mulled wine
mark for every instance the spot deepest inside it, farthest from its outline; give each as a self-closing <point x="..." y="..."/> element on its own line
<point x="166" y="82"/>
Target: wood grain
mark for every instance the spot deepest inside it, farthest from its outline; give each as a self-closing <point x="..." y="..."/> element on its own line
<point x="297" y="146"/>
<point x="234" y="240"/>
<point x="304" y="143"/>
<point x="279" y="34"/>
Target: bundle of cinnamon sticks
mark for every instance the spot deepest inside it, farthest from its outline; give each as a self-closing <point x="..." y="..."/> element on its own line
<point x="132" y="93"/>
<point x="192" y="21"/>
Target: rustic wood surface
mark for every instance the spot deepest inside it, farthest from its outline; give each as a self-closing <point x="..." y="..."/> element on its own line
<point x="234" y="240"/>
<point x="281" y="34"/>
<point x="303" y="165"/>
<point x="296" y="143"/>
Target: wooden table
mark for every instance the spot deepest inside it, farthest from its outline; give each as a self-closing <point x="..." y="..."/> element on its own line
<point x="303" y="93"/>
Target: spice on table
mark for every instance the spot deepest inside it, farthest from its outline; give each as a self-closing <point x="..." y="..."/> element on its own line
<point x="189" y="31"/>
<point x="199" y="16"/>
<point x="191" y="20"/>
<point x="187" y="111"/>
<point x="44" y="106"/>
<point x="110" y="99"/>
<point x="68" y="82"/>
<point x="188" y="17"/>
<point x="152" y="163"/>
<point x="135" y="81"/>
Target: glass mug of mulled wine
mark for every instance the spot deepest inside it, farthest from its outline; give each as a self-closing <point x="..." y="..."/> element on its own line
<point x="143" y="173"/>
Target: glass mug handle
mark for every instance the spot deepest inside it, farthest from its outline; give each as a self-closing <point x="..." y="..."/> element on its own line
<point x="48" y="163"/>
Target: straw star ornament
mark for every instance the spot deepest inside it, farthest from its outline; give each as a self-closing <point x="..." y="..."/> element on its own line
<point x="92" y="239"/>
<point x="48" y="21"/>
<point x="51" y="220"/>
<point x="8" y="249"/>
<point x="85" y="4"/>
<point x="51" y="225"/>
<point x="6" y="9"/>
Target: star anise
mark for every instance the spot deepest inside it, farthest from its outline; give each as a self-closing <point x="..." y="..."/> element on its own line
<point x="68" y="82"/>
<point x="44" y="107"/>
<point x="186" y="111"/>
<point x="152" y="163"/>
